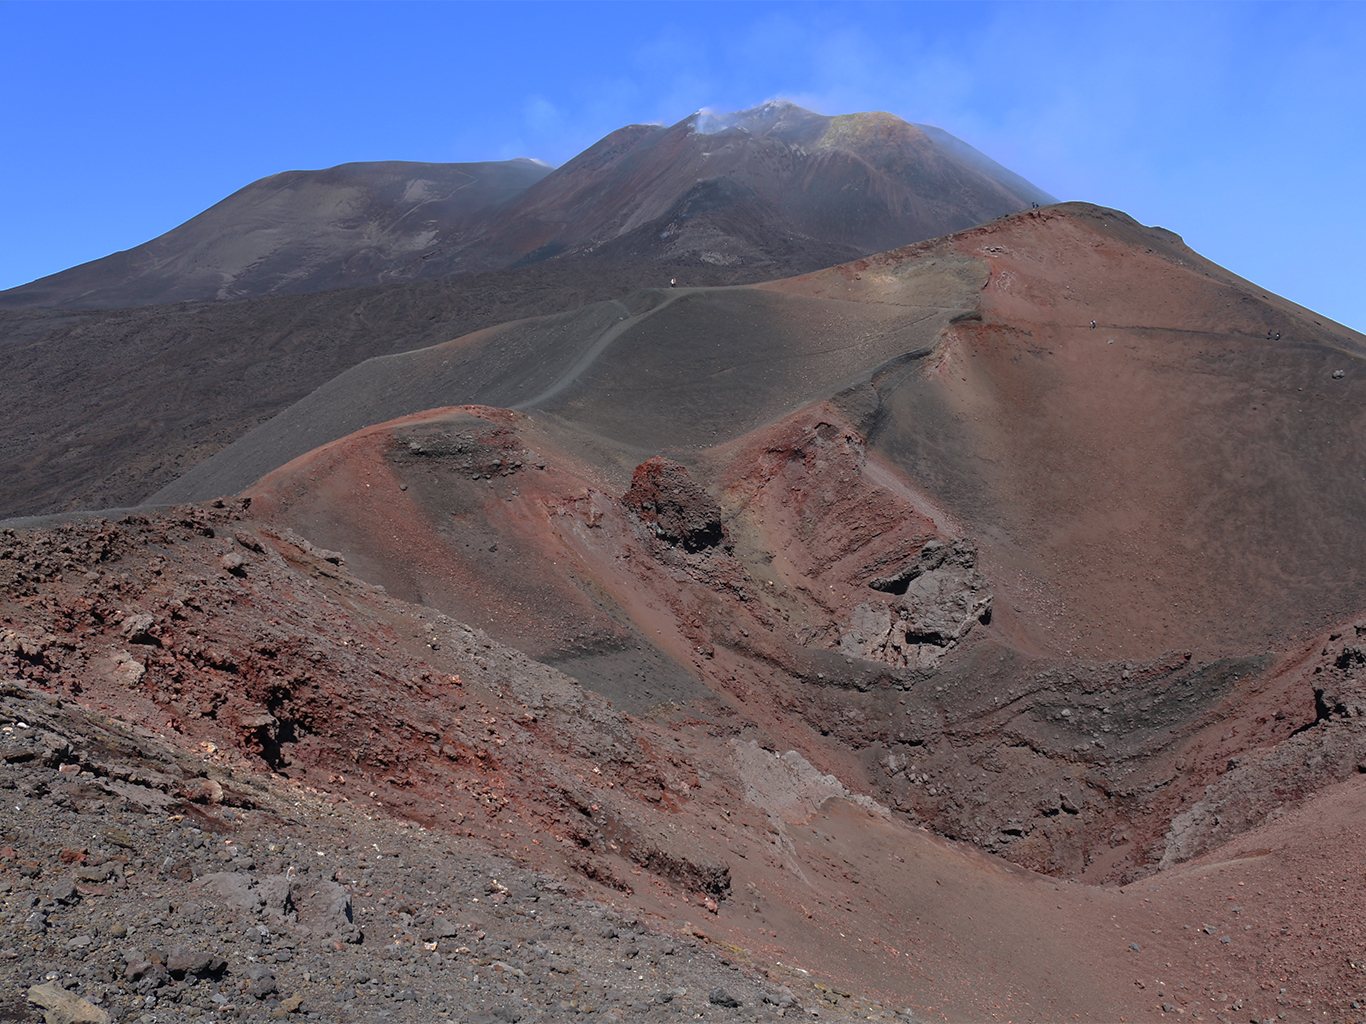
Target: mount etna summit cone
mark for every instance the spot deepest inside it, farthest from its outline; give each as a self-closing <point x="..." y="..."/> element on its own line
<point x="775" y="188"/>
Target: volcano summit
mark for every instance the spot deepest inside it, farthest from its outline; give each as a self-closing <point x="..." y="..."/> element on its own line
<point x="775" y="188"/>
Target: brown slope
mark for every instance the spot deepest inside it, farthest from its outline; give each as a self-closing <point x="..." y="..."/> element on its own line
<point x="468" y="511"/>
<point x="682" y="368"/>
<point x="300" y="231"/>
<point x="135" y="397"/>
<point x="1172" y="478"/>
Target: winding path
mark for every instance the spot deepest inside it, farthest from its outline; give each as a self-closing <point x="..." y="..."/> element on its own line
<point x="604" y="341"/>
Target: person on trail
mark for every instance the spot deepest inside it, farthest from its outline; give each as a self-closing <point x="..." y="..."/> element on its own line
<point x="673" y="282"/>
<point x="1093" y="325"/>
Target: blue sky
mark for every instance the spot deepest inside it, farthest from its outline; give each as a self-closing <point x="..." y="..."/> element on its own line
<point x="1240" y="126"/>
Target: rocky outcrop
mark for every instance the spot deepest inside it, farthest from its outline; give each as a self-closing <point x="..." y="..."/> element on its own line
<point x="307" y="907"/>
<point x="938" y="597"/>
<point x="608" y="827"/>
<point x="673" y="507"/>
<point x="1262" y="783"/>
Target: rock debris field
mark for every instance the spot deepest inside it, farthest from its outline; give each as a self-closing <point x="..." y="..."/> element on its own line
<point x="117" y="909"/>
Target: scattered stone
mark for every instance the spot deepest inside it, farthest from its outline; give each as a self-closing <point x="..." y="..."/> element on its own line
<point x="248" y="541"/>
<point x="61" y="1007"/>
<point x="261" y="981"/>
<point x="100" y="873"/>
<point x="720" y="997"/>
<point x="235" y="562"/>
<point x="780" y="997"/>
<point x="201" y="963"/>
<point x="441" y="928"/>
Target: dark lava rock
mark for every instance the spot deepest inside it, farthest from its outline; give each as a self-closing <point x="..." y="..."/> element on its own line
<point x="720" y="997"/>
<point x="672" y="504"/>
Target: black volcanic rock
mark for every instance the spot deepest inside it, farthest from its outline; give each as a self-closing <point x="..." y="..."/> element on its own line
<point x="674" y="507"/>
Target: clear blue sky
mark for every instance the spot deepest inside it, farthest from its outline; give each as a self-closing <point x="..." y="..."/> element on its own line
<point x="1240" y="126"/>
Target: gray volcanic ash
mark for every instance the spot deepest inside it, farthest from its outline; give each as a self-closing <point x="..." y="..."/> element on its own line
<point x="300" y="231"/>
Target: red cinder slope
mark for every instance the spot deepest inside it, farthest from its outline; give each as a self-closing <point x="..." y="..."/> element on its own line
<point x="1181" y="475"/>
<point x="1011" y="575"/>
<point x="236" y="644"/>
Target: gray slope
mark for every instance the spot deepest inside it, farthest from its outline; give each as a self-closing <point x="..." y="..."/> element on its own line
<point x="299" y="231"/>
<point x="660" y="371"/>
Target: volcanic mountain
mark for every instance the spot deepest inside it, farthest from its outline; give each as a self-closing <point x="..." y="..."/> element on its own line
<point x="973" y="628"/>
<point x="776" y="187"/>
<point x="767" y="187"/>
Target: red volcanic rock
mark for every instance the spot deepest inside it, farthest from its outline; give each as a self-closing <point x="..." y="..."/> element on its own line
<point x="396" y="710"/>
<point x="673" y="506"/>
